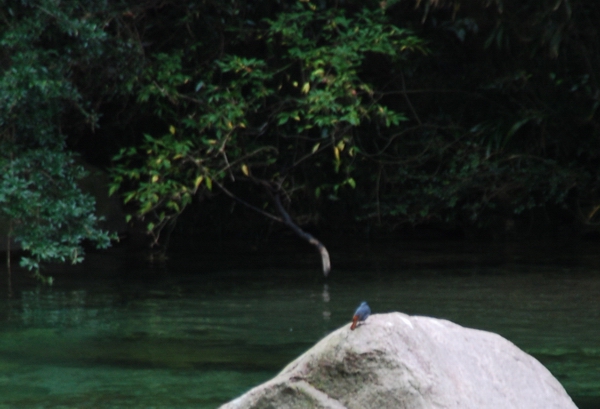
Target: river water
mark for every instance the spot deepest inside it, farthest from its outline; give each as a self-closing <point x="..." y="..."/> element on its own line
<point x="209" y="323"/>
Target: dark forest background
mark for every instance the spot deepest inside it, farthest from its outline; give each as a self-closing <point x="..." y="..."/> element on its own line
<point x="218" y="119"/>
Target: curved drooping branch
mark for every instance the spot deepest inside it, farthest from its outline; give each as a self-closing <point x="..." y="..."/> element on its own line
<point x="306" y="236"/>
<point x="287" y="220"/>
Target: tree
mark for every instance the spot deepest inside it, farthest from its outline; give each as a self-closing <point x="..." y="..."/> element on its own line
<point x="48" y="51"/>
<point x="317" y="103"/>
<point x="509" y="125"/>
<point x="278" y="119"/>
<point x="370" y="113"/>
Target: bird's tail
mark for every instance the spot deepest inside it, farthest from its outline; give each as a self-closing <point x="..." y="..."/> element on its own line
<point x="354" y="322"/>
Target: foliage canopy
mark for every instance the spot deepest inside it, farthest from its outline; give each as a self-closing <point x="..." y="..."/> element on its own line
<point x="47" y="51"/>
<point x="268" y="118"/>
<point x="453" y="113"/>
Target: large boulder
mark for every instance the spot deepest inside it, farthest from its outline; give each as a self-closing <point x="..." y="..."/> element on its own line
<point x="398" y="361"/>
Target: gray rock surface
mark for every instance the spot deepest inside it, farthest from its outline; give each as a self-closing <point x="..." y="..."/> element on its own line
<point x="398" y="361"/>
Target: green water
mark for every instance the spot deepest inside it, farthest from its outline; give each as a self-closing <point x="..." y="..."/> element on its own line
<point x="200" y="329"/>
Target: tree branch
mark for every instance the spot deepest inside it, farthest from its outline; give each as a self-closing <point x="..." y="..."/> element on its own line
<point x="248" y="205"/>
<point x="285" y="219"/>
<point x="306" y="236"/>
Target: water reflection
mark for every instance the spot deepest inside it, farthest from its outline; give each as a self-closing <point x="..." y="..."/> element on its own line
<point x="54" y="309"/>
<point x="118" y="334"/>
<point x="326" y="299"/>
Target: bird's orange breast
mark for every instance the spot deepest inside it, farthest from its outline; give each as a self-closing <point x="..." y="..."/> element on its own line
<point x="354" y="322"/>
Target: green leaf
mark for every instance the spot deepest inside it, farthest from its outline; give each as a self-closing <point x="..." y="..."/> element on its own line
<point x="129" y="197"/>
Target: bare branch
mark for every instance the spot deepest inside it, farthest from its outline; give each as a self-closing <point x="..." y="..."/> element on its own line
<point x="285" y="219"/>
<point x="248" y="205"/>
<point x="306" y="236"/>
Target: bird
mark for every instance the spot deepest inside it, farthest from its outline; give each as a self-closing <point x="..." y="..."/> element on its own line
<point x="361" y="314"/>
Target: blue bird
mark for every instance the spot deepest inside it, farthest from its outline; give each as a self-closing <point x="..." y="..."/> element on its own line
<point x="361" y="314"/>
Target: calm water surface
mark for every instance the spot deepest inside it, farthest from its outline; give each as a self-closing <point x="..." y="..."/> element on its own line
<point x="200" y="329"/>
